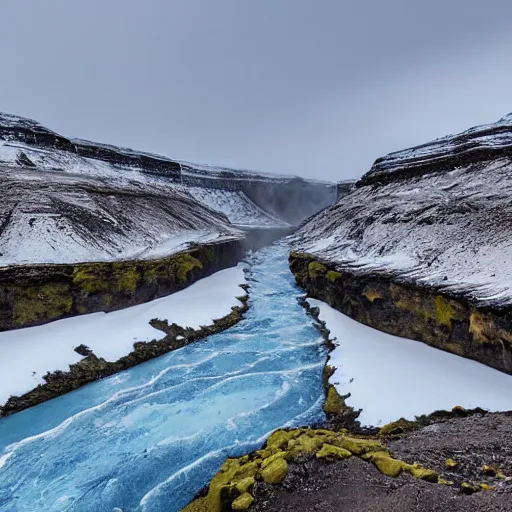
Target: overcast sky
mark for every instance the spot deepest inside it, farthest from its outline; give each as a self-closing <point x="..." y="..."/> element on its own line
<point x="318" y="88"/>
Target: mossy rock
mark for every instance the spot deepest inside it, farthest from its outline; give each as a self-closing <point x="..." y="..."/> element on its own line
<point x="41" y="304"/>
<point x="185" y="263"/>
<point x="243" y="502"/>
<point x="126" y="277"/>
<point x="275" y="472"/>
<point x="316" y="269"/>
<point x="329" y="451"/>
<point x="333" y="276"/>
<point x="92" y="277"/>
<point x="398" y="427"/>
<point x="334" y="404"/>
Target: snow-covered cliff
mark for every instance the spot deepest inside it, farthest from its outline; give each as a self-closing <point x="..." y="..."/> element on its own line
<point x="438" y="214"/>
<point x="69" y="200"/>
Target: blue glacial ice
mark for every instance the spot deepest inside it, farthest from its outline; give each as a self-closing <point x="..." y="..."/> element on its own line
<point x="148" y="439"/>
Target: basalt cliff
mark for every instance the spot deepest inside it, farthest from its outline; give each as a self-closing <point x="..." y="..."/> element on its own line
<point x="420" y="247"/>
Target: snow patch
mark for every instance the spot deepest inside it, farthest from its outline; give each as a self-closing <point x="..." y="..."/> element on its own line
<point x="28" y="354"/>
<point x="390" y="377"/>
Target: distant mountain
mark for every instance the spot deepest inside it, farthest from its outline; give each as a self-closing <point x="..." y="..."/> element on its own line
<point x="69" y="200"/>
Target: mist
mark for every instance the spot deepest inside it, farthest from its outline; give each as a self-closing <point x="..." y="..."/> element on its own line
<point x="317" y="89"/>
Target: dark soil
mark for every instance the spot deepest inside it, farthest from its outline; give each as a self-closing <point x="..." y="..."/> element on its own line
<point x="357" y="486"/>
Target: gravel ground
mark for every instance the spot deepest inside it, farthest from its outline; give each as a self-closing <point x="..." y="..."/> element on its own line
<point x="357" y="486"/>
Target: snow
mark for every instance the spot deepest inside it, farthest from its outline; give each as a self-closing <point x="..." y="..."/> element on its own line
<point x="390" y="377"/>
<point x="237" y="207"/>
<point x="449" y="230"/>
<point x="28" y="354"/>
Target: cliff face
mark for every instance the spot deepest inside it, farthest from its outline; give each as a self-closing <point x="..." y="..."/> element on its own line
<point x="422" y="245"/>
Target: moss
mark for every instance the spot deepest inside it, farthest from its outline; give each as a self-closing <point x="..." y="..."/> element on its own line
<point x="397" y="427"/>
<point x="328" y="451"/>
<point x="238" y="476"/>
<point x="428" y="475"/>
<point x="468" y="488"/>
<point x="450" y="463"/>
<point x="243" y="502"/>
<point x="333" y="403"/>
<point x="246" y="484"/>
<point x="360" y="446"/>
<point x="487" y="487"/>
<point x="92" y="278"/>
<point x="126" y="276"/>
<point x="185" y="263"/>
<point x="444" y="311"/>
<point x="333" y="276"/>
<point x="316" y="269"/>
<point x="231" y="472"/>
<point x="41" y="304"/>
<point x="372" y="294"/>
<point x="389" y="466"/>
<point x="275" y="472"/>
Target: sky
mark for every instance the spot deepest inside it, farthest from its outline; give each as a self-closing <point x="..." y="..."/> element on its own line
<point x="316" y="88"/>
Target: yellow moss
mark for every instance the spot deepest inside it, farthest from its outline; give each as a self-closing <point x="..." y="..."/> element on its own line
<point x="333" y="403"/>
<point x="360" y="446"/>
<point x="397" y="427"/>
<point x="468" y="488"/>
<point x="186" y="263"/>
<point x="450" y="463"/>
<point x="372" y="294"/>
<point x="237" y="476"/>
<point x="389" y="466"/>
<point x="444" y="311"/>
<point x="428" y="475"/>
<point x="275" y="472"/>
<point x="231" y="472"/>
<point x="329" y="451"/>
<point x="127" y="277"/>
<point x="266" y="462"/>
<point x="333" y="276"/>
<point x="243" y="502"/>
<point x="246" y="484"/>
<point x="316" y="269"/>
<point x="442" y="481"/>
<point x="91" y="278"/>
<point x="487" y="487"/>
<point x="41" y="304"/>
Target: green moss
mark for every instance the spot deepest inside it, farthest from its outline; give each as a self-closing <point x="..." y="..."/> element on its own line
<point x="275" y="472"/>
<point x="185" y="263"/>
<point x="398" y="427"/>
<point x="387" y="465"/>
<point x="333" y="276"/>
<point x="92" y="278"/>
<point x="126" y="277"/>
<point x="428" y="475"/>
<point x="316" y="269"/>
<point x="333" y="403"/>
<point x="243" y="502"/>
<point x="444" y="311"/>
<point x="237" y="476"/>
<point x="328" y="451"/>
<point x="41" y="304"/>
